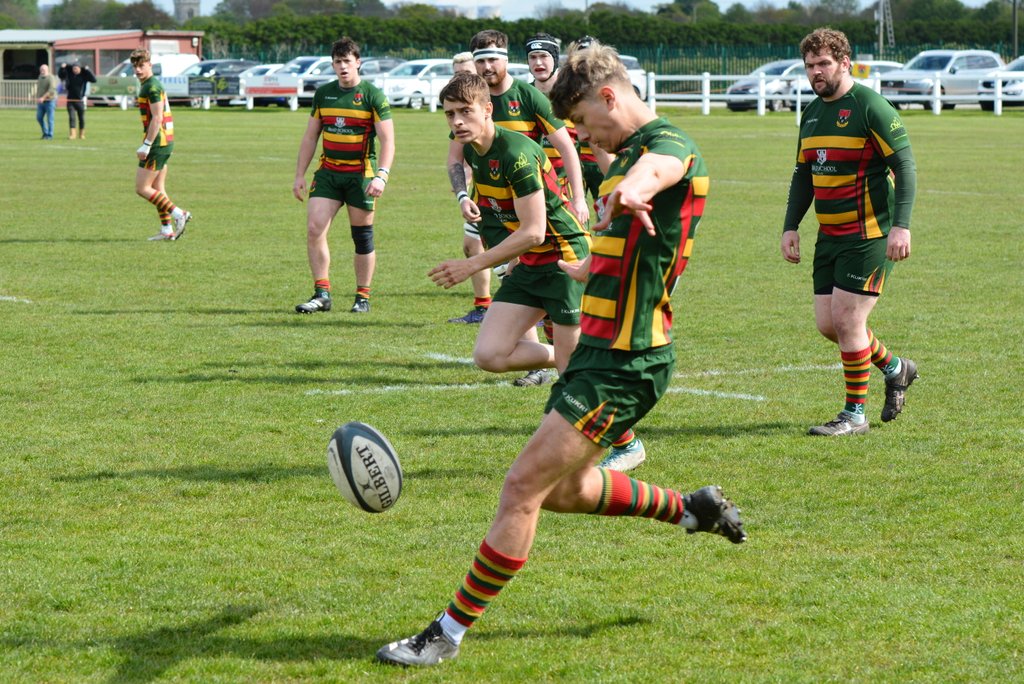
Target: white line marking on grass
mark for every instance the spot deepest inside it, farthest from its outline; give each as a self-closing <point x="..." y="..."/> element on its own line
<point x="449" y="359"/>
<point x="719" y="395"/>
<point x="384" y="389"/>
<point x="756" y="371"/>
<point x="19" y="300"/>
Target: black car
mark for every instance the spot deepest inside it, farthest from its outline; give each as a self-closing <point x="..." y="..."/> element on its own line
<point x="219" y="67"/>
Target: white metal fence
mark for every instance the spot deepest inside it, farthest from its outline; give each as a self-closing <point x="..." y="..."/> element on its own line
<point x="701" y="93"/>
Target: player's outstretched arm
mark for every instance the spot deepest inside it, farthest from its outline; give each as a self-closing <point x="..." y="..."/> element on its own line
<point x="650" y="175"/>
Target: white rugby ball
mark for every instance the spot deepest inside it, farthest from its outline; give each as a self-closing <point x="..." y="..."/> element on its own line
<point x="364" y="467"/>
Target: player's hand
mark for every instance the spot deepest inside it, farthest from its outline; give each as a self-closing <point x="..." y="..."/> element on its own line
<point x="897" y="247"/>
<point x="299" y="189"/>
<point x="621" y="201"/>
<point x="470" y="212"/>
<point x="581" y="209"/>
<point x="143" y="151"/>
<point x="375" y="187"/>
<point x="452" y="272"/>
<point x="790" y="246"/>
<point x="578" y="270"/>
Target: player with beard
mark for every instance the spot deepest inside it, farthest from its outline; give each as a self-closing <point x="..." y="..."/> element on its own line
<point x="855" y="164"/>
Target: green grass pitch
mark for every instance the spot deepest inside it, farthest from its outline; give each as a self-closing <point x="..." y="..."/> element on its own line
<point x="166" y="512"/>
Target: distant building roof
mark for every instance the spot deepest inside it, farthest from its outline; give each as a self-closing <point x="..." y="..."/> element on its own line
<point x="49" y="36"/>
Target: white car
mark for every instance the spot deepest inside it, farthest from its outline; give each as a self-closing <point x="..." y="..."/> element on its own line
<point x="867" y="72"/>
<point x="1013" y="86"/>
<point x="307" y="67"/>
<point x="782" y="78"/>
<point x="637" y="75"/>
<point x="959" y="72"/>
<point x="260" y="70"/>
<point x="416" y="82"/>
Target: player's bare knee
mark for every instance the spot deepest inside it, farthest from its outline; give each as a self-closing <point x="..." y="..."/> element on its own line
<point x="488" y="360"/>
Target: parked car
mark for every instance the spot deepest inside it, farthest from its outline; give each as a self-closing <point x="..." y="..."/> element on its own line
<point x="253" y="72"/>
<point x="369" y="69"/>
<point x="416" y="82"/>
<point x="308" y="67"/>
<point x="865" y="71"/>
<point x="782" y="77"/>
<point x="637" y="75"/>
<point x="170" y="64"/>
<point x="1013" y="87"/>
<point x="868" y="71"/>
<point x="959" y="72"/>
<point x="520" y="72"/>
<point x="219" y="67"/>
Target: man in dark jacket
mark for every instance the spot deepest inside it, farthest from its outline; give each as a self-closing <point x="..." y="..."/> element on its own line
<point x="77" y="79"/>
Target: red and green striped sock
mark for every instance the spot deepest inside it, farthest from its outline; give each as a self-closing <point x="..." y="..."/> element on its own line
<point x="621" y="495"/>
<point x="482" y="302"/>
<point x="322" y="285"/>
<point x="626" y="437"/>
<point x="162" y="202"/>
<point x="363" y="291"/>
<point x="490" y="572"/>
<point x="856" y="369"/>
<point x="881" y="356"/>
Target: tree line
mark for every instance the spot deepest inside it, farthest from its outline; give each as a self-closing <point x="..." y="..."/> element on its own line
<point x="255" y="27"/>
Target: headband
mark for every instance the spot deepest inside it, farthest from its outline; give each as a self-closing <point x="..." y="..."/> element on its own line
<point x="488" y="52"/>
<point x="543" y="45"/>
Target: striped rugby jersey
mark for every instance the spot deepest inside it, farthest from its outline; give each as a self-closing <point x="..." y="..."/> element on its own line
<point x="525" y="109"/>
<point x="515" y="166"/>
<point x="845" y="143"/>
<point x="626" y="304"/>
<point x="152" y="90"/>
<point x="348" y="116"/>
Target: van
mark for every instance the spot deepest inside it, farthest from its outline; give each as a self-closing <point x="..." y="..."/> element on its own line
<point x="169" y="64"/>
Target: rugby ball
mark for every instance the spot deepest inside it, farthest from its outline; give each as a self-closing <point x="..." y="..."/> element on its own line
<point x="364" y="467"/>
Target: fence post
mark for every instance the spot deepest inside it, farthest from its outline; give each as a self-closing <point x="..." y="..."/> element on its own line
<point x="997" y="106"/>
<point x="705" y="94"/>
<point x="937" y="95"/>
<point x="798" y="103"/>
<point x="650" y="88"/>
<point x="760" y="93"/>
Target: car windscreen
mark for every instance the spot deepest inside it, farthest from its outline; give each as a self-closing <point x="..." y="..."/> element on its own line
<point x="928" y="62"/>
<point x="774" y="69"/>
<point x="407" y="70"/>
<point x="296" y="67"/>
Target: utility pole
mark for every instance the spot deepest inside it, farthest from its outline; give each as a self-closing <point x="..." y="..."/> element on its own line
<point x="885" y="27"/>
<point x="1016" y="44"/>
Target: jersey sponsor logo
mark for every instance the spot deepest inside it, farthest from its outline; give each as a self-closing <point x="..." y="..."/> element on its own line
<point x="513" y="107"/>
<point x="844" y="118"/>
<point x="494" y="168"/>
<point x="896" y="125"/>
<point x="494" y="204"/>
<point x="521" y="163"/>
<point x="357" y="99"/>
<point x="822" y="156"/>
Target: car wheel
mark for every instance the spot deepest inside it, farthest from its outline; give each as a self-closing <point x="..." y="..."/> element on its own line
<point x="775" y="105"/>
<point x="988" y="106"/>
<point x="416" y="101"/>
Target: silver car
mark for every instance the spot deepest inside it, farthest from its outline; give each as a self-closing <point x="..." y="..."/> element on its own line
<point x="1013" y="87"/>
<point x="958" y="71"/>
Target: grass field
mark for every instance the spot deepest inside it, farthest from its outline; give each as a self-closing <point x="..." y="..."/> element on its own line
<point x="166" y="512"/>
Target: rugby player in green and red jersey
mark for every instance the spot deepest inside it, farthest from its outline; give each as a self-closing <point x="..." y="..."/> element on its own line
<point x="156" y="148"/>
<point x="351" y="114"/>
<point x="524" y="215"/>
<point x="855" y="164"/>
<point x="652" y="200"/>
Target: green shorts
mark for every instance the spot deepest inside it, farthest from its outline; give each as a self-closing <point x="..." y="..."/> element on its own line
<point x="158" y="158"/>
<point x="347" y="188"/>
<point x="858" y="266"/>
<point x="547" y="287"/>
<point x="592" y="178"/>
<point x="604" y="392"/>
